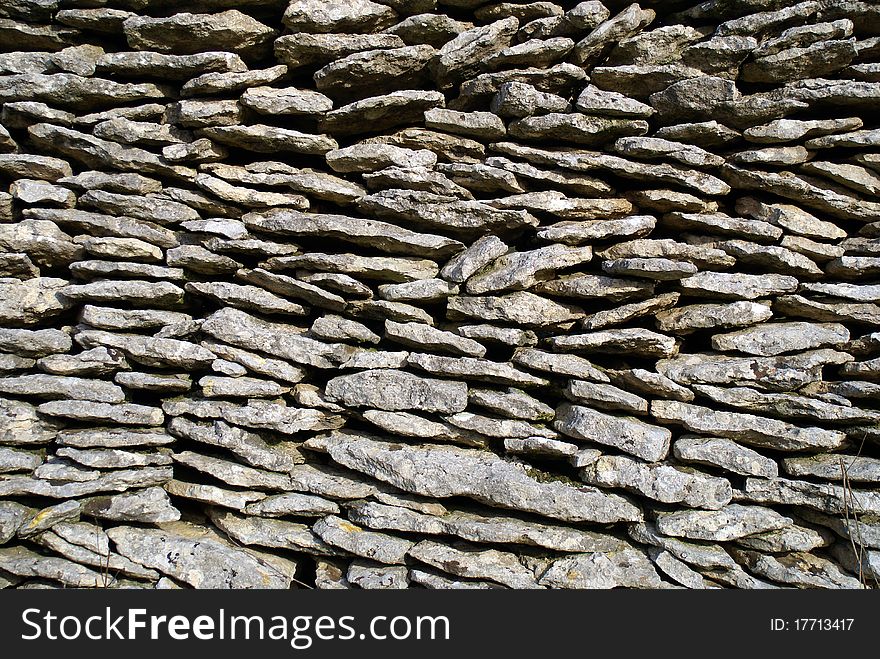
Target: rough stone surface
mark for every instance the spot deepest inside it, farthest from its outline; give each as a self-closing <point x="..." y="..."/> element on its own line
<point x="383" y="294"/>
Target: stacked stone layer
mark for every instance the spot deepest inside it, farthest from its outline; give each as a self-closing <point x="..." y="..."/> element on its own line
<point x="442" y="293"/>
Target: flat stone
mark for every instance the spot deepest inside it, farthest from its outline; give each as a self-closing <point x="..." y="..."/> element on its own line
<point x="23" y="562"/>
<point x="443" y="471"/>
<point x="465" y="561"/>
<point x="391" y="390"/>
<point x="655" y="147"/>
<point x="629" y="341"/>
<point x="374" y="577"/>
<point x="771" y="339"/>
<point x="463" y="57"/>
<point x="580" y="232"/>
<point x="305" y="47"/>
<point x="271" y="139"/>
<point x="202" y="562"/>
<point x="245" y="331"/>
<point x="113" y="438"/>
<point x="149" y="505"/>
<point x="520" y="308"/>
<point x="121" y="413"/>
<point x="657" y="269"/>
<point x="57" y="386"/>
<point x="336" y="16"/>
<point x="746" y="428"/>
<point x="858" y="469"/>
<point x="478" y="125"/>
<point x="469" y="218"/>
<point x="824" y="497"/>
<point x="474" y="368"/>
<point x="800" y="569"/>
<point x="150" y="351"/>
<point x="729" y="523"/>
<point x="370" y="72"/>
<point x="737" y="286"/>
<point x="605" y="396"/>
<point x="789" y="130"/>
<point x="781" y="373"/>
<point x="626" y="433"/>
<point x="186" y="33"/>
<point x="75" y="92"/>
<point x="292" y="503"/>
<point x="368" y="544"/>
<point x="724" y="454"/>
<point x="272" y="533"/>
<point x="792" y="538"/>
<point x="628" y="568"/>
<point x="248" y="446"/>
<point x="520" y="270"/>
<point x="659" y="482"/>
<point x="627" y="312"/>
<point x="169" y="67"/>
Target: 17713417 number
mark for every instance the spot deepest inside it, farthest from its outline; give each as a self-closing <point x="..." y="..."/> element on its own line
<point x="812" y="624"/>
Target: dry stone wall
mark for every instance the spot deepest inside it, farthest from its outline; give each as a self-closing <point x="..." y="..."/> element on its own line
<point x="439" y="293"/>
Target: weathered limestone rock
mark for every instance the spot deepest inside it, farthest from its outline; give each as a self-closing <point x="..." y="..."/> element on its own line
<point x="662" y="483"/>
<point x="442" y="471"/>
<point x="747" y="428"/>
<point x="395" y="390"/>
<point x="195" y="557"/>
<point x="186" y="33"/>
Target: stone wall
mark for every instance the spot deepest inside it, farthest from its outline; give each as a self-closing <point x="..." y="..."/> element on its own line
<point x="439" y="293"/>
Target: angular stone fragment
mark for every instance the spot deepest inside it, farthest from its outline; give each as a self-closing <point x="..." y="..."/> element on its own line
<point x="30" y="302"/>
<point x="689" y="318"/>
